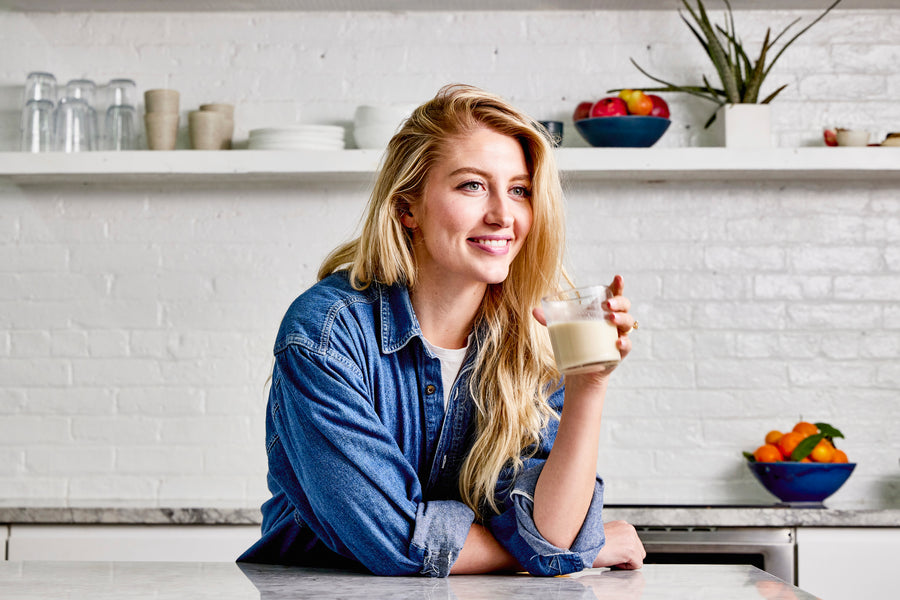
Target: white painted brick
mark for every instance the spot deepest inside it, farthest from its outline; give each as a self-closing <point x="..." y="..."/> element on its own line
<point x="741" y="374"/>
<point x="205" y="430"/>
<point x="181" y="460"/>
<point x="12" y="463"/>
<point x="35" y="372"/>
<point x="70" y="400"/>
<point x="107" y="343"/>
<point x="209" y="488"/>
<point x="30" y="429"/>
<point x="830" y="259"/>
<point x="705" y="285"/>
<point x="118" y="486"/>
<point x="867" y="289"/>
<point x="115" y="429"/>
<point x="29" y="343"/>
<point x="888" y="375"/>
<point x="68" y="343"/>
<point x="33" y="257"/>
<point x="116" y="371"/>
<point x="831" y="316"/>
<point x="70" y="458"/>
<point x="791" y="286"/>
<point x="766" y="316"/>
<point x="828" y="375"/>
<point x="161" y="401"/>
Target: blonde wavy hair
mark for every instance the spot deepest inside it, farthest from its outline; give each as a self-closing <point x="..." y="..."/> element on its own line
<point x="514" y="372"/>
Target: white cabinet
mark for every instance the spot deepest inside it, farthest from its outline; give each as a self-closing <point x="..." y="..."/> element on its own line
<point x="186" y="543"/>
<point x="848" y="563"/>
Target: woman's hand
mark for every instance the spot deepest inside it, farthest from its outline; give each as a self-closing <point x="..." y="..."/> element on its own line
<point x="623" y="548"/>
<point x="618" y="307"/>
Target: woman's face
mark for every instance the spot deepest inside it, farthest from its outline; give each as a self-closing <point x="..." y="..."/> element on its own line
<point x="475" y="211"/>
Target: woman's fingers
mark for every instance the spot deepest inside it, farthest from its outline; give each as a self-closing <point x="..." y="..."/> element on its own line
<point x="539" y="315"/>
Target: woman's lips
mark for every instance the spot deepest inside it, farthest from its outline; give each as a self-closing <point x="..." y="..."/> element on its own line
<point x="492" y="245"/>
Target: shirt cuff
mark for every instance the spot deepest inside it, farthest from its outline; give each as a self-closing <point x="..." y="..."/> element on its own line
<point x="515" y="529"/>
<point x="441" y="530"/>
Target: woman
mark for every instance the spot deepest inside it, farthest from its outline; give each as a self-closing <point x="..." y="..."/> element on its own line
<point x="416" y="421"/>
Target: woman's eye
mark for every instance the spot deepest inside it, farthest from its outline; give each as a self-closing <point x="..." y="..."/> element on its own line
<point x="471" y="186"/>
<point x="521" y="191"/>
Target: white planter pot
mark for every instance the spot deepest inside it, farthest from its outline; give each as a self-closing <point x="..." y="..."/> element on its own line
<point x="744" y="126"/>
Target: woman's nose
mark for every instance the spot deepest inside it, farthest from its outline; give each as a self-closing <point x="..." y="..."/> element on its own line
<point x="498" y="210"/>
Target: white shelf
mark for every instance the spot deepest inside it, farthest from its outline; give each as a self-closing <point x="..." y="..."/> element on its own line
<point x="577" y="164"/>
<point x="414" y="5"/>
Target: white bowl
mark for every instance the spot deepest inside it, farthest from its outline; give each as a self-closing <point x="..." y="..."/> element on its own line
<point x="852" y="137"/>
<point x="384" y="113"/>
<point x="374" y="136"/>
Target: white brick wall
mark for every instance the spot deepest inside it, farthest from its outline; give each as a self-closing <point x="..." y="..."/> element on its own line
<point x="136" y="322"/>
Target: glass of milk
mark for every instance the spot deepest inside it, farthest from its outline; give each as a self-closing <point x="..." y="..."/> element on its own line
<point x="583" y="340"/>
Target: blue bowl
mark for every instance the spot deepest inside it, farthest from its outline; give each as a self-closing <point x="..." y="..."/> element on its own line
<point x="630" y="131"/>
<point x="796" y="482"/>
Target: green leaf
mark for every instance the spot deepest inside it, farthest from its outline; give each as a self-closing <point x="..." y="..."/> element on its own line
<point x="829" y="431"/>
<point x="771" y="96"/>
<point x="806" y="446"/>
<point x="749" y="456"/>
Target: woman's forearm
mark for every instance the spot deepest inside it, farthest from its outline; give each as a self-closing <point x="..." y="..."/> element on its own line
<point x="482" y="553"/>
<point x="566" y="486"/>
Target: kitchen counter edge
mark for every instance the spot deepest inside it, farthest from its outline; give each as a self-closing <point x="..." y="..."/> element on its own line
<point x="640" y="516"/>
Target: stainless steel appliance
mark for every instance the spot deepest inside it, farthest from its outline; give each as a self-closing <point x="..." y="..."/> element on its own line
<point x="772" y="549"/>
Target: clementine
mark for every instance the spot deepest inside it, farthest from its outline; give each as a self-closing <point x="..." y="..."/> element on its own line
<point x="788" y="442"/>
<point x="823" y="452"/>
<point x="773" y="436"/>
<point x="768" y="453"/>
<point x="806" y="428"/>
<point x="839" y="456"/>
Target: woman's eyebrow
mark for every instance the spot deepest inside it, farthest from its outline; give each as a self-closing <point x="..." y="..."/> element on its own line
<point x="486" y="175"/>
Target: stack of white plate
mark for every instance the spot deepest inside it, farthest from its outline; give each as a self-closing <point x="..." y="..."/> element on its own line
<point x="298" y="137"/>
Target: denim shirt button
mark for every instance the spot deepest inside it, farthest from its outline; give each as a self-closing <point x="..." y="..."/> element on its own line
<point x="430" y="389"/>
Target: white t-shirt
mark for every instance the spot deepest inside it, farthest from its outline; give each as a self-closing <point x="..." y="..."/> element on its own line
<point x="451" y="362"/>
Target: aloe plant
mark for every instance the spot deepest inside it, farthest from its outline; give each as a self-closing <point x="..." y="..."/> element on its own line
<point x="741" y="77"/>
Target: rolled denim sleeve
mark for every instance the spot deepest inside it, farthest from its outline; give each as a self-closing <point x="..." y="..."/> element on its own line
<point x="441" y="530"/>
<point x="514" y="528"/>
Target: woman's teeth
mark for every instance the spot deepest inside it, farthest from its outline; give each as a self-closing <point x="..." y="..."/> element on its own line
<point x="493" y="243"/>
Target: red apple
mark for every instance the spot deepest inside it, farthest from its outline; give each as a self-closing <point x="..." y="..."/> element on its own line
<point x="830" y="137"/>
<point x="582" y="111"/>
<point x="609" y="107"/>
<point x="660" y="108"/>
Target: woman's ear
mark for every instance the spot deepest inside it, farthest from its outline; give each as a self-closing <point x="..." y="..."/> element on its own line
<point x="407" y="218"/>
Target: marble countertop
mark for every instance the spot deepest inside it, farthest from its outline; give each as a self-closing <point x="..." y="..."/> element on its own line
<point x="230" y="581"/>
<point x="174" y="513"/>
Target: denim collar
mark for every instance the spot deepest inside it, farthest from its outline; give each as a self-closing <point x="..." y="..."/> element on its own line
<point x="398" y="319"/>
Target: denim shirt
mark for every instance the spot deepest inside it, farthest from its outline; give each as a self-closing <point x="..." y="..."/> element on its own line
<point x="363" y="460"/>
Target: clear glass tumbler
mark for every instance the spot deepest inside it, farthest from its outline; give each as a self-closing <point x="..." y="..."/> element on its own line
<point x="121" y="92"/>
<point x="121" y="128"/>
<point x="40" y="86"/>
<point x="75" y="126"/>
<point x="37" y="126"/>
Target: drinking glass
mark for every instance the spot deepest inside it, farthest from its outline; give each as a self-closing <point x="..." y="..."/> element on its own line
<point x="583" y="340"/>
<point x="121" y="128"/>
<point x="40" y="86"/>
<point x="37" y="126"/>
<point x="86" y="91"/>
<point x="121" y="92"/>
<point x="75" y="126"/>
